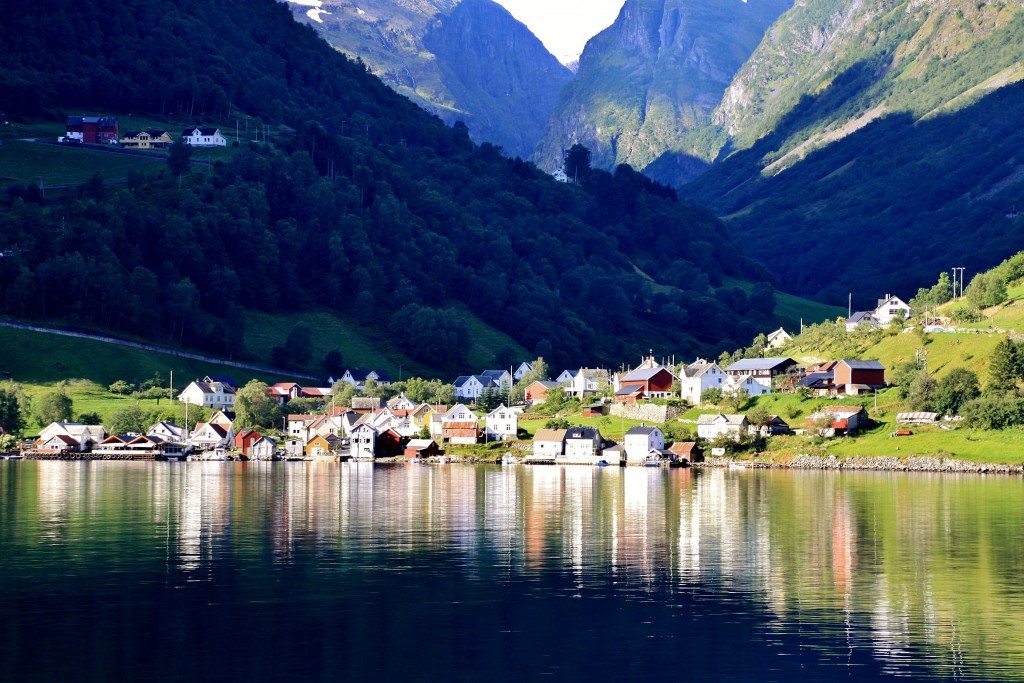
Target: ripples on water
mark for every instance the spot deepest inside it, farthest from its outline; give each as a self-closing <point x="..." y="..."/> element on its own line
<point x="296" y="571"/>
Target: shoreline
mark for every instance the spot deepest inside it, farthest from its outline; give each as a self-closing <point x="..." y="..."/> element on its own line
<point x="875" y="463"/>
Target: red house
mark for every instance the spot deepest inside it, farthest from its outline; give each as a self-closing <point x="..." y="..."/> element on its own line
<point x="865" y="373"/>
<point x="93" y="130"/>
<point x="653" y="383"/>
<point x="389" y="443"/>
<point x="245" y="439"/>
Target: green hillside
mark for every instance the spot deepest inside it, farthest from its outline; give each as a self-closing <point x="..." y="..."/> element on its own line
<point x="447" y="253"/>
<point x="892" y="124"/>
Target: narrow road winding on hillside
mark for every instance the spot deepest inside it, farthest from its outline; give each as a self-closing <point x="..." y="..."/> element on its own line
<point x="7" y="322"/>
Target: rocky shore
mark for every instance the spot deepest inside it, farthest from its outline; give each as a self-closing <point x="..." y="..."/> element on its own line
<point x="875" y="463"/>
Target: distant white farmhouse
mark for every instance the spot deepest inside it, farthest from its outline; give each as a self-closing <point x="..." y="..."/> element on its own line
<point x="203" y="137"/>
<point x="209" y="394"/>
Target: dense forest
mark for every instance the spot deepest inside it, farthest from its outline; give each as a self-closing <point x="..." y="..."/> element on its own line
<point x="361" y="203"/>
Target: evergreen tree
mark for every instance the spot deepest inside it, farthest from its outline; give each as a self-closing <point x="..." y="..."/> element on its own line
<point x="10" y="411"/>
<point x="1004" y="367"/>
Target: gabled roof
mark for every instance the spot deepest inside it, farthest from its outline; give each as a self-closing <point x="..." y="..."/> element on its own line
<point x="699" y="367"/>
<point x="494" y="374"/>
<point x="629" y="390"/>
<point x="550" y="435"/>
<point x="362" y="374"/>
<point x="643" y="374"/>
<point x="816" y="379"/>
<point x="844" y="410"/>
<point x="715" y="418"/>
<point x="862" y="317"/>
<point x="863" y="364"/>
<point x="640" y="430"/>
<point x="682" y="447"/>
<point x="206" y="132"/>
<point x="585" y="433"/>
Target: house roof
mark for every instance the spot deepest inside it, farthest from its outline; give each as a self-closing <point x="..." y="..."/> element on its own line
<point x="362" y="374"/>
<point x="419" y="444"/>
<point x="778" y="333"/>
<point x="863" y="364"/>
<point x="862" y="317"/>
<point x="682" y="447"/>
<point x="642" y="374"/>
<point x="750" y="364"/>
<point x="816" y="379"/>
<point x="550" y="435"/>
<point x="545" y="383"/>
<point x="699" y="367"/>
<point x="494" y="374"/>
<point x="646" y="431"/>
<point x="223" y="379"/>
<point x="585" y="433"/>
<point x="98" y="120"/>
<point x="630" y="390"/>
<point x="366" y="403"/>
<point x="714" y="418"/>
<point x="208" y="132"/>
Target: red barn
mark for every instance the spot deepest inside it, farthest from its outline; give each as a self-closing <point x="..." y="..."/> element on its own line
<point x="868" y="373"/>
<point x="245" y="439"/>
<point x="93" y="130"/>
<point x="653" y="383"/>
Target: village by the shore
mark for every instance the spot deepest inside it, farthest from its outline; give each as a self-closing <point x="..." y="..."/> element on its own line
<point x="654" y="393"/>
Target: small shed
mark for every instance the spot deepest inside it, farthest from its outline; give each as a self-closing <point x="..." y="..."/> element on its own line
<point x="421" y="448"/>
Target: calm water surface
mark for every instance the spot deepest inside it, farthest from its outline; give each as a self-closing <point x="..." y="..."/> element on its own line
<point x="316" y="571"/>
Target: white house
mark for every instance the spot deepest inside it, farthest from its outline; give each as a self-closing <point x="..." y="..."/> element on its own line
<point x="209" y="394"/>
<point x="861" y="319"/>
<point x="582" y="446"/>
<point x="263" y="448"/>
<point x="85" y="436"/>
<point x="711" y="426"/>
<point x="501" y="424"/>
<point x="587" y="382"/>
<point x="208" y="436"/>
<point x="358" y="377"/>
<point x="168" y="431"/>
<point x="523" y="368"/>
<point x="890" y="308"/>
<point x="401" y="402"/>
<point x="364" y="442"/>
<point x="778" y="338"/>
<point x="469" y="387"/>
<point x="698" y="377"/>
<point x="203" y="137"/>
<point x="548" y="444"/>
<point x="639" y="441"/>
<point x="500" y="379"/>
<point x="754" y="386"/>
<point x="459" y="413"/>
<point x="566" y="376"/>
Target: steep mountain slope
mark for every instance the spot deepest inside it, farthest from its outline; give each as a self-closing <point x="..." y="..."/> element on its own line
<point x="467" y="60"/>
<point x="890" y="123"/>
<point x="645" y="83"/>
<point x="360" y="203"/>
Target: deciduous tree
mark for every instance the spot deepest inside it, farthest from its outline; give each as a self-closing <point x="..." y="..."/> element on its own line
<point x="254" y="407"/>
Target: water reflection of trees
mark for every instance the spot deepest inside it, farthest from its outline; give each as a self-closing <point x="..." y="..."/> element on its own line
<point x="906" y="566"/>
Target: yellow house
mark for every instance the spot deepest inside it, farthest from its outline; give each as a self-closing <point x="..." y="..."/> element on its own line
<point x="322" y="445"/>
<point x="147" y="139"/>
<point x="420" y="415"/>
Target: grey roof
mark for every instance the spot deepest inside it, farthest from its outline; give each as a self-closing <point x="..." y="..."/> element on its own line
<point x="864" y="364"/>
<point x="748" y="364"/>
<point x="642" y="430"/>
<point x="861" y="316"/>
<point x="631" y="389"/>
<point x="361" y="374"/>
<point x="642" y="374"/>
<point x="588" y="433"/>
<point x="493" y="374"/>
<point x="816" y="378"/>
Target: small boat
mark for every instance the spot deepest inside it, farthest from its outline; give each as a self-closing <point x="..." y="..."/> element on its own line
<point x="737" y="466"/>
<point x="601" y="463"/>
<point x="654" y="461"/>
<point x="509" y="459"/>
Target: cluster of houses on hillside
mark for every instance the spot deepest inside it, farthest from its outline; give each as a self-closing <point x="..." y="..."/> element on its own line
<point x="105" y="130"/>
<point x="366" y="429"/>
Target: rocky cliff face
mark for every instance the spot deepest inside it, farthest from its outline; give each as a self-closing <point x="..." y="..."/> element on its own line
<point x="652" y="79"/>
<point x="467" y="60"/>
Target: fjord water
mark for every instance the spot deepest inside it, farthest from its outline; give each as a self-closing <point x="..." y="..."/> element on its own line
<point x="319" y="571"/>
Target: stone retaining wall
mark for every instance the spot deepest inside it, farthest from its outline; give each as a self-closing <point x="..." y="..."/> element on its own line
<point x="645" y="412"/>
